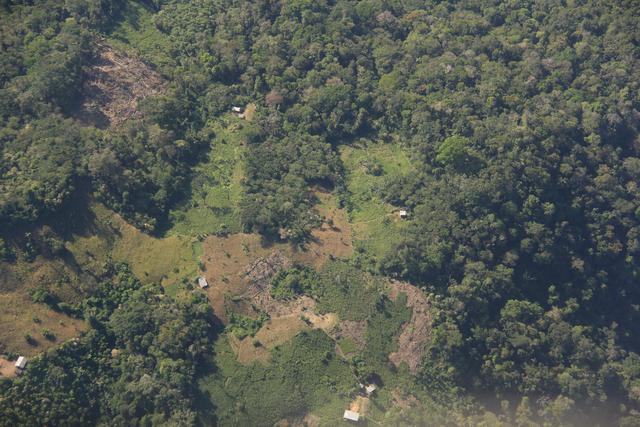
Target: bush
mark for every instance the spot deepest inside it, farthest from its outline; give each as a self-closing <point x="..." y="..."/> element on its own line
<point x="30" y="340"/>
<point x="48" y="334"/>
<point x="295" y="281"/>
<point x="6" y="254"/>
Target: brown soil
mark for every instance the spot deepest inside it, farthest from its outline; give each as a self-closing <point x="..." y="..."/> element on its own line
<point x="285" y="323"/>
<point x="415" y="333"/>
<point x="239" y="269"/>
<point x="329" y="240"/>
<point x="19" y="315"/>
<point x="404" y="401"/>
<point x="249" y="112"/>
<point x="7" y="368"/>
<point x="353" y="329"/>
<point x="235" y="263"/>
<point x="360" y="405"/>
<point x="115" y="83"/>
<point x="287" y="317"/>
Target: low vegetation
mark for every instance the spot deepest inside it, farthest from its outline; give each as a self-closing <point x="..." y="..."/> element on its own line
<point x="216" y="187"/>
<point x="369" y="169"/>
<point x="302" y="375"/>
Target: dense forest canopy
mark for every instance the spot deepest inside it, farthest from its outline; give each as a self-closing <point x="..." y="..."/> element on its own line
<point x="522" y="117"/>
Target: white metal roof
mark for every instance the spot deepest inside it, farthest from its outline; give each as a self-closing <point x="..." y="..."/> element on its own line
<point x="202" y="282"/>
<point x="351" y="415"/>
<point x="21" y="362"/>
<point x="370" y="388"/>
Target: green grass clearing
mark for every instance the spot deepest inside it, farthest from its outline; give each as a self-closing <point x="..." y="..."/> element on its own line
<point x="347" y="345"/>
<point x="152" y="259"/>
<point x="216" y="186"/>
<point x="367" y="167"/>
<point x="346" y="291"/>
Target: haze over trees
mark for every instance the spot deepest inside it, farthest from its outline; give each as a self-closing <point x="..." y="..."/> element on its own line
<point x="522" y="119"/>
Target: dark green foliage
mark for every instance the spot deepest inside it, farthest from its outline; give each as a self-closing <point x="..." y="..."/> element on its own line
<point x="6" y="253"/>
<point x="278" y="173"/>
<point x="39" y="167"/>
<point x="137" y="364"/>
<point x="242" y="326"/>
<point x="344" y="290"/>
<point x="139" y="171"/>
<point x="383" y="327"/>
<point x="521" y="119"/>
<point x="294" y="281"/>
<point x="43" y="295"/>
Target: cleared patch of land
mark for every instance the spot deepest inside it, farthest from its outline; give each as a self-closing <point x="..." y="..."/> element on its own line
<point x="216" y="188"/>
<point x="21" y="317"/>
<point x="415" y="333"/>
<point x="374" y="222"/>
<point x="7" y="368"/>
<point x="114" y="85"/>
<point x="226" y="258"/>
<point x="152" y="259"/>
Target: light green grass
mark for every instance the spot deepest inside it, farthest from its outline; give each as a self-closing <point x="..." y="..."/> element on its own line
<point x="216" y="186"/>
<point x="375" y="222"/>
<point x="163" y="260"/>
<point x="136" y="33"/>
<point x="347" y="345"/>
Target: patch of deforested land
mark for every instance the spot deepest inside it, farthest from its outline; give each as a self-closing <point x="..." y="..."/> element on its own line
<point x="115" y="83"/>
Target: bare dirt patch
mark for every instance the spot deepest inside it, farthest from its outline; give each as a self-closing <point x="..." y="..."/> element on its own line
<point x="17" y="320"/>
<point x="287" y="317"/>
<point x="360" y="405"/>
<point x="332" y="239"/>
<point x="275" y="331"/>
<point x="280" y="329"/>
<point x="415" y="333"/>
<point x="404" y="400"/>
<point x="115" y="83"/>
<point x="20" y="316"/>
<point x="230" y="261"/>
<point x="249" y="111"/>
<point x="226" y="260"/>
<point x="356" y="330"/>
<point x="7" y="368"/>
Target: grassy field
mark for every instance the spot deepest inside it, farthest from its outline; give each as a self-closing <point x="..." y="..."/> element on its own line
<point x="136" y="34"/>
<point x="152" y="259"/>
<point x="374" y="222"/>
<point x="21" y="316"/>
<point x="216" y="186"/>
